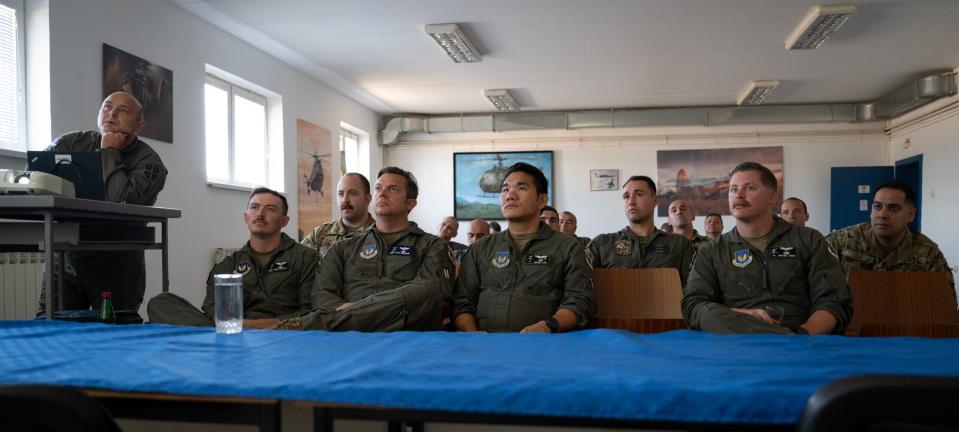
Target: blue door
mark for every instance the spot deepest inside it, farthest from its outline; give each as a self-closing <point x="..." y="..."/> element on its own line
<point x="851" y="193"/>
<point x="909" y="171"/>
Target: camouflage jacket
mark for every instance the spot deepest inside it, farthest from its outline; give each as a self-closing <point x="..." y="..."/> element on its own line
<point x="858" y="249"/>
<point x="323" y="236"/>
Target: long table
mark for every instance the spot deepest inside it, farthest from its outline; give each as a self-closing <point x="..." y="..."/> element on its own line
<point x="681" y="379"/>
<point x="54" y="211"/>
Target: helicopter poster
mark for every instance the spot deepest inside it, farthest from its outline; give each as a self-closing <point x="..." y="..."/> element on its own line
<point x="314" y="175"/>
<point x="477" y="180"/>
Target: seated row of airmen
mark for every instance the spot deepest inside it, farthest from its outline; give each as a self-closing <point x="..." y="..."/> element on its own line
<point x="381" y="272"/>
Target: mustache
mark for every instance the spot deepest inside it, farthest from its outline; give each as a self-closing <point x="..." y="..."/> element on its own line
<point x="346" y="207"/>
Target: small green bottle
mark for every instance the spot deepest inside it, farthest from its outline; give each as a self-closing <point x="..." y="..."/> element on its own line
<point x="106" y="315"/>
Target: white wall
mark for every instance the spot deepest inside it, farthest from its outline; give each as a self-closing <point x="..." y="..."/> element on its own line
<point x="809" y="152"/>
<point x="169" y="36"/>
<point x="934" y="135"/>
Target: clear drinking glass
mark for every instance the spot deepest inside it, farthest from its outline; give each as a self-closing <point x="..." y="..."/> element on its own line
<point x="775" y="312"/>
<point x="228" y="295"/>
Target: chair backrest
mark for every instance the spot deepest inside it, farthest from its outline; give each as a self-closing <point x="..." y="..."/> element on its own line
<point x="52" y="409"/>
<point x="883" y="403"/>
<point x="909" y="299"/>
<point x="640" y="300"/>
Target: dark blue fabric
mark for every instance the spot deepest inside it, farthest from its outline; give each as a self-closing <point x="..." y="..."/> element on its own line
<point x="679" y="376"/>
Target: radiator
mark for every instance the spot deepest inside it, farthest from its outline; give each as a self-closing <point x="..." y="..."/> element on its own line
<point x="21" y="278"/>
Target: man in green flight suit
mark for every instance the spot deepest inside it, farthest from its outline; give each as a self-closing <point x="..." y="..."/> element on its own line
<point x="766" y="275"/>
<point x="886" y="243"/>
<point x="393" y="276"/>
<point x="528" y="278"/>
<point x="353" y="197"/>
<point x="132" y="173"/>
<point x="277" y="272"/>
<point x="640" y="244"/>
<point x="681" y="218"/>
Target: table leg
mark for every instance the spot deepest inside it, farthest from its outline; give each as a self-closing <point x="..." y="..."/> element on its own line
<point x="165" y="252"/>
<point x="48" y="261"/>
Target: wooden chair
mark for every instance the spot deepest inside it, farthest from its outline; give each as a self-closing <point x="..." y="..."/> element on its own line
<point x="638" y="300"/>
<point x="903" y="304"/>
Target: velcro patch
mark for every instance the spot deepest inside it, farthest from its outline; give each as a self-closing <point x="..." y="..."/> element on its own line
<point x="402" y="250"/>
<point x="537" y="259"/>
<point x="660" y="249"/>
<point x="783" y="252"/>
<point x="279" y="266"/>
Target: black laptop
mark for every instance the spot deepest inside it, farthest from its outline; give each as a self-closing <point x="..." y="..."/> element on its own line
<point x="84" y="169"/>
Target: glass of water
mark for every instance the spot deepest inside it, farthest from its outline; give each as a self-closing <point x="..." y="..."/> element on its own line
<point x="228" y="296"/>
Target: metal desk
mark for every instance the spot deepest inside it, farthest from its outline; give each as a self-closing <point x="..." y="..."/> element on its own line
<point x="51" y="209"/>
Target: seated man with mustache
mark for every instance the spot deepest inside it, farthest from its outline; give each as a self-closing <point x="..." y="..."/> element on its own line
<point x="353" y="197"/>
<point x="766" y="275"/>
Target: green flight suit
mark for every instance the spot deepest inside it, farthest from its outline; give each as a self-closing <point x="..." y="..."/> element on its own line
<point x="508" y="289"/>
<point x="796" y="272"/>
<point x="698" y="240"/>
<point x="623" y="249"/>
<point x="281" y="289"/>
<point x="134" y="175"/>
<point x="323" y="236"/>
<point x="398" y="286"/>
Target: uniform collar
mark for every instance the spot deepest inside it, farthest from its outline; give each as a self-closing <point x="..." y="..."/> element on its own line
<point x="339" y="228"/>
<point x="780" y="227"/>
<point x="285" y="243"/>
<point x="628" y="232"/>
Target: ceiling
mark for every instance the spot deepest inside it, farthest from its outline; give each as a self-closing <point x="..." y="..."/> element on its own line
<point x="578" y="54"/>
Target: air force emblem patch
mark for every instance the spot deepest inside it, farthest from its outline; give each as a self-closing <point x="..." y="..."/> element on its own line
<point x="742" y="258"/>
<point x="501" y="259"/>
<point x="368" y="251"/>
<point x="243" y="267"/>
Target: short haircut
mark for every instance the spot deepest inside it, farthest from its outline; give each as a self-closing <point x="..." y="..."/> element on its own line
<point x="642" y="178"/>
<point x="569" y="213"/>
<point x="363" y="179"/>
<point x="539" y="180"/>
<point x="714" y="214"/>
<point x="900" y="186"/>
<point x="804" y="209"/>
<point x="549" y="208"/>
<point x="495" y="226"/>
<point x="265" y="190"/>
<point x="765" y="175"/>
<point x="412" y="189"/>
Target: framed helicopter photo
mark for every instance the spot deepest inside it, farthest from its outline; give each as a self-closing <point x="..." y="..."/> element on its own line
<point x="478" y="178"/>
<point x="315" y="188"/>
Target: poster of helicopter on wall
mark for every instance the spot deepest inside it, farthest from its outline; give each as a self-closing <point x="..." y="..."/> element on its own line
<point x="477" y="179"/>
<point x="314" y="175"/>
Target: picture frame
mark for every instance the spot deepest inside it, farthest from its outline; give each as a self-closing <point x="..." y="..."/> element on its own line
<point x="478" y="178"/>
<point x="603" y="180"/>
<point x="149" y="82"/>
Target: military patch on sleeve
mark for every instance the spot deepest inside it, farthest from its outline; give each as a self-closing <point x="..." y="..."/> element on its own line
<point x="623" y="247"/>
<point x="537" y="259"/>
<point x="243" y="267"/>
<point x="279" y="266"/>
<point x="402" y="250"/>
<point x="783" y="252"/>
<point x="151" y="171"/>
<point x="660" y="249"/>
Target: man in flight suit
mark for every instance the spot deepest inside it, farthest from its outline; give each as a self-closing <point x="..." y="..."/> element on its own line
<point x="393" y="276"/>
<point x="277" y="272"/>
<point x="528" y="278"/>
<point x="132" y="173"/>
<point x="640" y="244"/>
<point x="765" y="266"/>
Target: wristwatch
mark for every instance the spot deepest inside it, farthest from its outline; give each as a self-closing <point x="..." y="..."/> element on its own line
<point x="552" y="324"/>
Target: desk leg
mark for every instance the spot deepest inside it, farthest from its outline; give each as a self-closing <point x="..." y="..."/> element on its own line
<point x="165" y="253"/>
<point x="48" y="261"/>
<point x="270" y="418"/>
<point x="322" y="420"/>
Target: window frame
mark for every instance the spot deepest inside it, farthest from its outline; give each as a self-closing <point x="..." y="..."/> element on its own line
<point x="233" y="90"/>
<point x="21" y="146"/>
<point x="344" y="134"/>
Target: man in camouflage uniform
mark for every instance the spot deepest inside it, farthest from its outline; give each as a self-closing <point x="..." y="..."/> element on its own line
<point x="886" y="243"/>
<point x="277" y="272"/>
<point x="393" y="276"/>
<point x="681" y="219"/>
<point x="640" y="244"/>
<point x="529" y="278"/>
<point x="353" y="197"/>
<point x="132" y="173"/>
<point x="766" y="275"/>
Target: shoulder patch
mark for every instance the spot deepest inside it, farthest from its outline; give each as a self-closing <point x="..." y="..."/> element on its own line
<point x="243" y="267"/>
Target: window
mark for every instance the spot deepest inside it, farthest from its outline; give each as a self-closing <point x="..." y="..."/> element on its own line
<point x="349" y="152"/>
<point x="12" y="111"/>
<point x="238" y="151"/>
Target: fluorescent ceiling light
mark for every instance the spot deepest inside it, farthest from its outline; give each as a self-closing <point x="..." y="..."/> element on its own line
<point x="820" y="23"/>
<point x="502" y="100"/>
<point x="756" y="92"/>
<point x="454" y="42"/>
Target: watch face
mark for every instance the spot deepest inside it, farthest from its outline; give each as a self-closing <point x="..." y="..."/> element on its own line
<point x="552" y="324"/>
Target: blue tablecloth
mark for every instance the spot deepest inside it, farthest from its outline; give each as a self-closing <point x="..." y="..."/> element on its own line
<point x="680" y="376"/>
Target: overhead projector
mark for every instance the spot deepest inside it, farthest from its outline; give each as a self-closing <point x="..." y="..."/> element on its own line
<point x="19" y="182"/>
